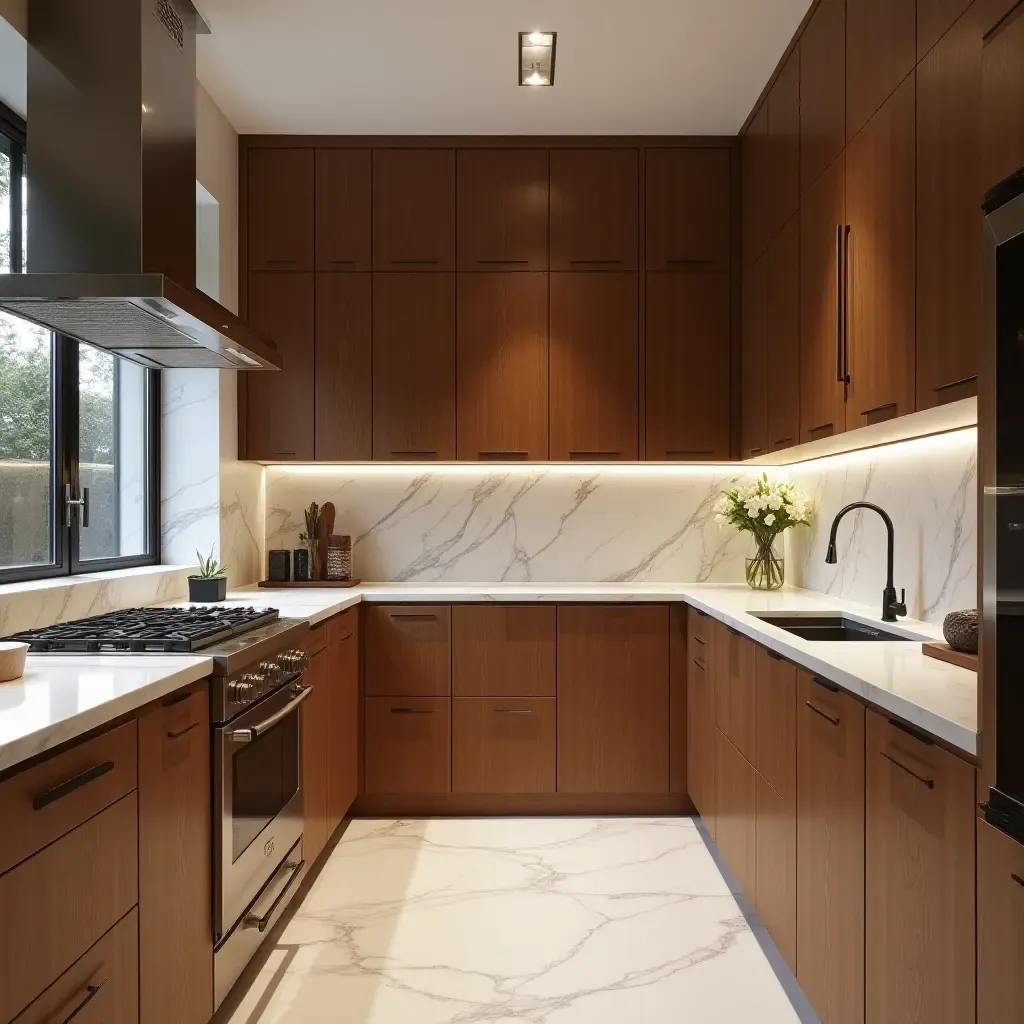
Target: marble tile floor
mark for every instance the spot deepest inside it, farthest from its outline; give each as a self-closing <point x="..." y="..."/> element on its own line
<point x="543" y="920"/>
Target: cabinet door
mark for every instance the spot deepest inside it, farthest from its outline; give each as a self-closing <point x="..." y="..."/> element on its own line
<point x="782" y="334"/>
<point x="935" y="17"/>
<point x="175" y="885"/>
<point x="343" y="356"/>
<point x="775" y="694"/>
<point x="315" y="712"/>
<point x="880" y="202"/>
<point x="822" y="90"/>
<point x="755" y="356"/>
<point x="280" y="209"/>
<point x="408" y="650"/>
<point x="503" y="209"/>
<point x="919" y="880"/>
<point x="503" y="650"/>
<point x="1000" y="926"/>
<point x="700" y="721"/>
<point x="775" y="871"/>
<point x="502" y="366"/>
<point x="613" y="699"/>
<point x="414" y="366"/>
<point x="679" y="670"/>
<point x="594" y="367"/>
<point x="688" y="366"/>
<point x="413" y="209"/>
<point x="343" y="211"/>
<point x="1002" y="117"/>
<point x="881" y="50"/>
<point x="687" y="204"/>
<point x="503" y="745"/>
<point x="735" y="813"/>
<point x="822" y="393"/>
<point x="342" y="716"/>
<point x="408" y="745"/>
<point x="830" y="852"/>
<point x="280" y="418"/>
<point x="949" y="256"/>
<point x="735" y="684"/>
<point x="594" y="209"/>
<point x="754" y="149"/>
<point x="783" y="146"/>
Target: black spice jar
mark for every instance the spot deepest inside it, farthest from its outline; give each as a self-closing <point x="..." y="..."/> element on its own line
<point x="300" y="561"/>
<point x="280" y="566"/>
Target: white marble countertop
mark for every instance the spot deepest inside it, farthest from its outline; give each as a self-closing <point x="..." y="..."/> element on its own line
<point x="63" y="696"/>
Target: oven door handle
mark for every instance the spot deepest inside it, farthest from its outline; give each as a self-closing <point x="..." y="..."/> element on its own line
<point x="248" y="735"/>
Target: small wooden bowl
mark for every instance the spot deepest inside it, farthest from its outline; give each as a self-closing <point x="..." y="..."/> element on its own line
<point x="12" y="660"/>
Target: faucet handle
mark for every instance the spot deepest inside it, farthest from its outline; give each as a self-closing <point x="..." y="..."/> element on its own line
<point x="900" y="607"/>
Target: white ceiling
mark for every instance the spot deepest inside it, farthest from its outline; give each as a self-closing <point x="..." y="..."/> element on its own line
<point x="426" y="67"/>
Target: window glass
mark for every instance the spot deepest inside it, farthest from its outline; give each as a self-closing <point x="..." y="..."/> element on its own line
<point x="5" y="209"/>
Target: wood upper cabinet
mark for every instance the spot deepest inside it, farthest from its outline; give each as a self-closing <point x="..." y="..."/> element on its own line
<point x="920" y="878"/>
<point x="315" y="741"/>
<point x="503" y="650"/>
<point x="502" y="366"/>
<point x="687" y="202"/>
<point x="688" y="366"/>
<point x="830" y="851"/>
<point x="754" y="183"/>
<point x="503" y="209"/>
<point x="175" y="886"/>
<point x="280" y="209"/>
<point x="1000" y="926"/>
<point x="949" y="253"/>
<point x="822" y="217"/>
<point x="782" y="156"/>
<point x="613" y="699"/>
<point x="594" y="399"/>
<point x="594" y="209"/>
<point x="754" y="440"/>
<point x="881" y="193"/>
<point x="881" y="50"/>
<point x="408" y="745"/>
<point x="934" y="17"/>
<point x="343" y="357"/>
<point x="413" y="209"/>
<point x="700" y="717"/>
<point x="343" y="209"/>
<point x="280" y="416"/>
<point x="735" y="684"/>
<point x="342" y="716"/>
<point x="822" y="90"/>
<point x="408" y="650"/>
<point x="414" y="366"/>
<point x="735" y="813"/>
<point x="782" y="337"/>
<point x="1002" y="118"/>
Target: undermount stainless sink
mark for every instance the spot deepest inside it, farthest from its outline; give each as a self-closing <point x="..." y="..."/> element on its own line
<point x="833" y="627"/>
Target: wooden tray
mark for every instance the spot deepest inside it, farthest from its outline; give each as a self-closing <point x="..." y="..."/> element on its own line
<point x="324" y="584"/>
<point x="943" y="652"/>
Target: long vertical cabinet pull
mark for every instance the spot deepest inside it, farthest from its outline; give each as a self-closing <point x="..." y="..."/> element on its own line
<point x="846" y="305"/>
<point x="839" y="302"/>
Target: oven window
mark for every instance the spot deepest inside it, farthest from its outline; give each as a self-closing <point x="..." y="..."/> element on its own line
<point x="265" y="778"/>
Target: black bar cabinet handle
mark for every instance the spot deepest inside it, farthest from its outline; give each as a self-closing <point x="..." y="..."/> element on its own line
<point x="412" y="711"/>
<point x="282" y="263"/>
<point x="910" y="731"/>
<point x="831" y="687"/>
<point x="342" y="263"/>
<point x="689" y="263"/>
<point x="175" y="698"/>
<point x="839" y="302"/>
<point x="414" y="263"/>
<point x="502" y="263"/>
<point x="846" y="304"/>
<point x="91" y="992"/>
<point x="513" y="711"/>
<point x="593" y="455"/>
<point x="49" y="796"/>
<point x="955" y="383"/>
<point x="930" y="783"/>
<point x="595" y="263"/>
<point x="835" y="720"/>
<point x="181" y="732"/>
<point x="1017" y="878"/>
<point x="496" y="454"/>
<point x="413" y="615"/>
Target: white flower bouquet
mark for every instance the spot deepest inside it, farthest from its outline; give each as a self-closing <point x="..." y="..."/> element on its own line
<point x="764" y="510"/>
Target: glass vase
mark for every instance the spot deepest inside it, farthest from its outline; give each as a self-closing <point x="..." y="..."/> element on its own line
<point x="766" y="568"/>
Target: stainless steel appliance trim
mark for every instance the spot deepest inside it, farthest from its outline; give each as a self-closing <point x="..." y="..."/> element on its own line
<point x="253" y="732"/>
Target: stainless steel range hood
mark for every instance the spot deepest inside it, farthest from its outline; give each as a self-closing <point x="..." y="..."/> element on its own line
<point x="111" y="197"/>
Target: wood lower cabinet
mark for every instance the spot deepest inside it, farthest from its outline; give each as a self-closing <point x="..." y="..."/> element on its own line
<point x="408" y="650"/>
<point x="775" y="718"/>
<point x="1002" y="118"/>
<point x="688" y="367"/>
<point x="735" y="813"/>
<point x="595" y="353"/>
<point x="408" y="745"/>
<point x="503" y="745"/>
<point x="613" y="699"/>
<point x="679" y="670"/>
<point x="502" y="366"/>
<point x="782" y="337"/>
<point x="343" y="204"/>
<point x="281" y="209"/>
<point x="822" y="90"/>
<point x="503" y="650"/>
<point x="775" y="875"/>
<point x="175" y="885"/>
<point x="414" y="317"/>
<point x="700" y="719"/>
<point x="343" y="729"/>
<point x="920" y="876"/>
<point x="735" y="685"/>
<point x="315" y="740"/>
<point x="830" y="851"/>
<point x="1000" y="926"/>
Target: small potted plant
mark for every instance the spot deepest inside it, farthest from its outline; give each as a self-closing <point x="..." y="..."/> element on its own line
<point x="210" y="583"/>
<point x="765" y="511"/>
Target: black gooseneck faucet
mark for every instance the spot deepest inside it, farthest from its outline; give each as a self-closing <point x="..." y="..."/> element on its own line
<point x="890" y="606"/>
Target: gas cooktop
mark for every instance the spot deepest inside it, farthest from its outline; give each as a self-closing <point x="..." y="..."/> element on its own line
<point x="147" y="630"/>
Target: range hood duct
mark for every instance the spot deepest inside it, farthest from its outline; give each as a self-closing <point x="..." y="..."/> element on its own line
<point x="111" y="198"/>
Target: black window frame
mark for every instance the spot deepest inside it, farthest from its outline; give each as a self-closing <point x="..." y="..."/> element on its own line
<point x="65" y="539"/>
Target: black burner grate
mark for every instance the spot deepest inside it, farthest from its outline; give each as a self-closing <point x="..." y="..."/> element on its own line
<point x="147" y="630"/>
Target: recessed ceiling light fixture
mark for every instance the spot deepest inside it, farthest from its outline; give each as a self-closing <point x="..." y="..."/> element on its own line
<point x="537" y="58"/>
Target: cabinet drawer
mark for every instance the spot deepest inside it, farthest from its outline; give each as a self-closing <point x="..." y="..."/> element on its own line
<point x="343" y="626"/>
<point x="43" y="803"/>
<point x="101" y="988"/>
<point x="503" y="745"/>
<point x="55" y="905"/>
<point x="408" y="745"/>
<point x="700" y="633"/>
<point x="503" y="651"/>
<point x="735" y="678"/>
<point x="408" y="650"/>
